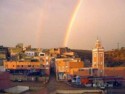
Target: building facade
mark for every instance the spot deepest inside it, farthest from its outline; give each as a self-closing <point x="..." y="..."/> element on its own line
<point x="98" y="58"/>
<point x="66" y="67"/>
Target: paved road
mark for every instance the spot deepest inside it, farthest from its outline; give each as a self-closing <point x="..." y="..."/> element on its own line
<point x="54" y="85"/>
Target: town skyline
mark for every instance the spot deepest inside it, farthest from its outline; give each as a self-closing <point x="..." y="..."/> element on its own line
<point x="44" y="24"/>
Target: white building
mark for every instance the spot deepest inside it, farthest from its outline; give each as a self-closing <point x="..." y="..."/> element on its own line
<point x="30" y="53"/>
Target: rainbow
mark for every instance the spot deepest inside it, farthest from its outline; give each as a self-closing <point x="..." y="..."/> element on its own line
<point x="71" y="23"/>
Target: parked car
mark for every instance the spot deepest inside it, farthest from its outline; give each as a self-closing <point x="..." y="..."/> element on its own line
<point x="110" y="84"/>
<point x="88" y="85"/>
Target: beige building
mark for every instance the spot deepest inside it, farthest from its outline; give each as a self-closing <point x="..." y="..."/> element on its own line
<point x="67" y="66"/>
<point x="98" y="58"/>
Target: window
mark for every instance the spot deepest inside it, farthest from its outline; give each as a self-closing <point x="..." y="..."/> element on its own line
<point x="95" y="59"/>
<point x="101" y="54"/>
<point x="41" y="54"/>
<point x="34" y="60"/>
<point x="81" y="69"/>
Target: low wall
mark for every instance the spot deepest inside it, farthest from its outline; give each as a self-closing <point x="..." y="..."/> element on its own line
<point x="78" y="92"/>
<point x="17" y="89"/>
<point x="115" y="71"/>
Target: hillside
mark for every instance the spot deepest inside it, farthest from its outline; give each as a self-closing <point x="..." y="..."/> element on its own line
<point x="85" y="55"/>
<point x="113" y="58"/>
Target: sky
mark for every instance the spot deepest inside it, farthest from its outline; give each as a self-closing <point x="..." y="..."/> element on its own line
<point x="44" y="23"/>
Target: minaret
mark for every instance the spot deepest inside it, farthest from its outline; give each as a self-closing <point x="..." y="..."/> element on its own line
<point x="98" y="58"/>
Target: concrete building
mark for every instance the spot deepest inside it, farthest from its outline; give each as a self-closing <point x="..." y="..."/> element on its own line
<point x="14" y="53"/>
<point x="28" y="70"/>
<point x="66" y="67"/>
<point x="30" y="53"/>
<point x="61" y="52"/>
<point x="12" y="65"/>
<point x="4" y="53"/>
<point x="98" y="58"/>
<point x="4" y="81"/>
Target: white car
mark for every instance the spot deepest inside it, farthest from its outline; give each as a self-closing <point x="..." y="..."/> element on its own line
<point x="88" y="85"/>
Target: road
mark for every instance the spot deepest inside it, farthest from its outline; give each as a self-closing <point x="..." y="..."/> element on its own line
<point x="54" y="85"/>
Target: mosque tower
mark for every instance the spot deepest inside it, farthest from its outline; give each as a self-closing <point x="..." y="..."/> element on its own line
<point x="98" y="58"/>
